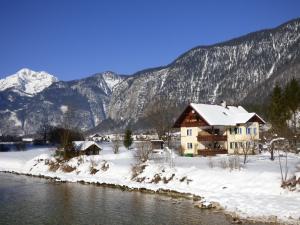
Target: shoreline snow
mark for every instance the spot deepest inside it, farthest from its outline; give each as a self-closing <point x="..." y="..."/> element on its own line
<point x="252" y="192"/>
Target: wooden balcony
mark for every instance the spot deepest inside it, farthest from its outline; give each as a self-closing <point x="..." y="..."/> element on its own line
<point x="212" y="137"/>
<point x="212" y="152"/>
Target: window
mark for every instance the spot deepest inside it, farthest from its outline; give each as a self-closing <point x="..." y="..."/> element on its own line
<point x="241" y="144"/>
<point x="254" y="131"/>
<point x="238" y="130"/>
<point x="189" y="145"/>
<point x="189" y="132"/>
<point x="248" y="131"/>
<point x="235" y="145"/>
<point x="231" y="145"/>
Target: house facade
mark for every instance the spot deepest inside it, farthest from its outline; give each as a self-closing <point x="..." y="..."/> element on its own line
<point x="218" y="129"/>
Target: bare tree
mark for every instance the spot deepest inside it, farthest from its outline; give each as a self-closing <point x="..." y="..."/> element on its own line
<point x="69" y="124"/>
<point x="143" y="151"/>
<point x="45" y="123"/>
<point x="249" y="148"/>
<point x="116" y="144"/>
<point x="272" y="144"/>
<point x="161" y="113"/>
<point x="283" y="164"/>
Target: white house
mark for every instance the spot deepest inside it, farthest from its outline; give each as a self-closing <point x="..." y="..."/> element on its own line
<point x="216" y="129"/>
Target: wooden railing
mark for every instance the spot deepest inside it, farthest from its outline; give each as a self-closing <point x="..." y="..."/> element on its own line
<point x="212" y="137"/>
<point x="212" y="152"/>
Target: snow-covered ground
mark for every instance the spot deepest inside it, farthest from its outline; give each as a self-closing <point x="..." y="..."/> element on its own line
<point x="252" y="191"/>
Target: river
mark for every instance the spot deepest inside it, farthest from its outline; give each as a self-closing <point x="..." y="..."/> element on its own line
<point x="29" y="200"/>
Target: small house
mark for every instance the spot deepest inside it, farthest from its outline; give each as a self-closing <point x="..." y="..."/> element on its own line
<point x="86" y="147"/>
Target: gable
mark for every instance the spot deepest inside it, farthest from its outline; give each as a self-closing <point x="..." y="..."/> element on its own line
<point x="256" y="118"/>
<point x="190" y="118"/>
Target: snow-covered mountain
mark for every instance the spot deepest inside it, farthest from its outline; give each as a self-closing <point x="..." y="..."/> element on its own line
<point x="242" y="70"/>
<point x="27" y="81"/>
<point x="88" y="98"/>
<point x="208" y="74"/>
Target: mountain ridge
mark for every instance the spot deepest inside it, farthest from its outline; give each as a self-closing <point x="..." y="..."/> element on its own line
<point x="230" y="70"/>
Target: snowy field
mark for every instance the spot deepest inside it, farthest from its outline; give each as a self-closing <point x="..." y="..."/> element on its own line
<point x="252" y="191"/>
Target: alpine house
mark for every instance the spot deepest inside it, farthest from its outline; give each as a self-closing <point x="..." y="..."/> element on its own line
<point x="218" y="129"/>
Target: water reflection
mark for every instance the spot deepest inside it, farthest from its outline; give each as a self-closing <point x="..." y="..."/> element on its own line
<point x="26" y="200"/>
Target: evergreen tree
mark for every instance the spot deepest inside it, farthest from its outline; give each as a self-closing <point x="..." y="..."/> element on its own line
<point x="278" y="110"/>
<point x="292" y="100"/>
<point x="128" y="138"/>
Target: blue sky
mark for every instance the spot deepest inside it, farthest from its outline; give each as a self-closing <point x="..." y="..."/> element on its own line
<point x="73" y="39"/>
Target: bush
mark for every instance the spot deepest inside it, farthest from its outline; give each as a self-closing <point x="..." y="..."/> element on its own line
<point x="231" y="162"/>
<point x="20" y="146"/>
<point x="137" y="170"/>
<point x="39" y="142"/>
<point x="53" y="166"/>
<point x="67" y="168"/>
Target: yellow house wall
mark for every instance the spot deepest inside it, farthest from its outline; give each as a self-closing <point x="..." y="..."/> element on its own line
<point x="244" y="137"/>
<point x="190" y="139"/>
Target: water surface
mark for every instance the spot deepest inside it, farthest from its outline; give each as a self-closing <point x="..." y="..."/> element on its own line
<point x="28" y="200"/>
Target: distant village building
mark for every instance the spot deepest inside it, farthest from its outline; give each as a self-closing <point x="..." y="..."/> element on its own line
<point x="217" y="129"/>
<point x="28" y="140"/>
<point x="86" y="147"/>
<point x="99" y="138"/>
<point x="157" y="144"/>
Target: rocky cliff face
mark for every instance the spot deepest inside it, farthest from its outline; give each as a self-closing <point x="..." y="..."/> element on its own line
<point x="242" y="70"/>
<point x="228" y="71"/>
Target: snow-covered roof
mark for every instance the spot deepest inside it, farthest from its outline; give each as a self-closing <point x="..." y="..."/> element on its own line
<point x="83" y="145"/>
<point x="220" y="115"/>
<point x="156" y="140"/>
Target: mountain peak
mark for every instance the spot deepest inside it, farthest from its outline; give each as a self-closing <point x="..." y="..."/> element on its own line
<point x="28" y="81"/>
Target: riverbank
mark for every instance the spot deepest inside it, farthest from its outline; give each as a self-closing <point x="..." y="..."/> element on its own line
<point x="250" y="192"/>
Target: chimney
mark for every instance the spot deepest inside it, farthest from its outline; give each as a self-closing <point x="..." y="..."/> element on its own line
<point x="223" y="103"/>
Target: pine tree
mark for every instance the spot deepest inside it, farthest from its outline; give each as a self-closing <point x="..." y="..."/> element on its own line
<point x="128" y="138"/>
<point x="292" y="100"/>
<point x="278" y="110"/>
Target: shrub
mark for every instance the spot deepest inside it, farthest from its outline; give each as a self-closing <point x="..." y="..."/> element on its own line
<point x="156" y="179"/>
<point x="93" y="170"/>
<point x="20" y="146"/>
<point x="105" y="166"/>
<point x="67" y="168"/>
<point x="137" y="170"/>
<point x="53" y="166"/>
